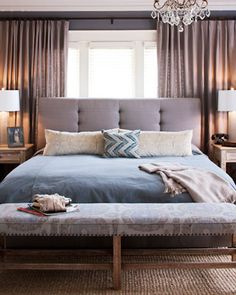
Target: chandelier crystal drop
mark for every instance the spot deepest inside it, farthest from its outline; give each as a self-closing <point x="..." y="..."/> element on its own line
<point x="180" y="13"/>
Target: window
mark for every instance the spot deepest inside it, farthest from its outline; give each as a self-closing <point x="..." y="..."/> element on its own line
<point x="73" y="76"/>
<point x="120" y="64"/>
<point x="150" y="71"/>
<point x="111" y="72"/>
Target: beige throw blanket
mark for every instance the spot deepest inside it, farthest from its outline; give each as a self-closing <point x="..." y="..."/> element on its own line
<point x="50" y="203"/>
<point x="203" y="186"/>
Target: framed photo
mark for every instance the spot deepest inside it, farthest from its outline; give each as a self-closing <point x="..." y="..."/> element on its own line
<point x="15" y="136"/>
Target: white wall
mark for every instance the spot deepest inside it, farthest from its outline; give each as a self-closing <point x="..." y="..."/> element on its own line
<point x="95" y="5"/>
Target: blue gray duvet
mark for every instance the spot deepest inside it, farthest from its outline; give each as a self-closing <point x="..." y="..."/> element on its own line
<point x="87" y="178"/>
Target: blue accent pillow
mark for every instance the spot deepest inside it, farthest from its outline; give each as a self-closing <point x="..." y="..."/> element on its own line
<point x="121" y="144"/>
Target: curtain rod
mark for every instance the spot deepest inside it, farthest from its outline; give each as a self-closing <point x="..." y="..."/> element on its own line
<point x="99" y="15"/>
<point x="104" y="18"/>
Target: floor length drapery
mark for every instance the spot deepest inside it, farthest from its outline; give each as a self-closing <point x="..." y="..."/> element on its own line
<point x="197" y="63"/>
<point x="33" y="58"/>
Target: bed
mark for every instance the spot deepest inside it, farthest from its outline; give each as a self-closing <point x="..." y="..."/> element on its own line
<point x="90" y="178"/>
<point x="93" y="179"/>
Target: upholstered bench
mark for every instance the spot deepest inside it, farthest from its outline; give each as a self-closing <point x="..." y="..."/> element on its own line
<point x="117" y="220"/>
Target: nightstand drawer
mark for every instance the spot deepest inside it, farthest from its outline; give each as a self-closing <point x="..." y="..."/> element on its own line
<point x="10" y="157"/>
<point x="231" y="156"/>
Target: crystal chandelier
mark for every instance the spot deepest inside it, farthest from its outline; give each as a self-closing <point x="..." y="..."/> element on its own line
<point x="180" y="12"/>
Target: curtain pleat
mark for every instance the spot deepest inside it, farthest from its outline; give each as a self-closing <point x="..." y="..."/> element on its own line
<point x="33" y="57"/>
<point x="197" y="63"/>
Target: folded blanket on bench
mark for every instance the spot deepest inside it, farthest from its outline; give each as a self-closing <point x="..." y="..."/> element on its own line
<point x="50" y="203"/>
<point x="203" y="186"/>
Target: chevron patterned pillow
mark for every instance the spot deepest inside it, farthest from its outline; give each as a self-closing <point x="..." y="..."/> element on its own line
<point x="122" y="144"/>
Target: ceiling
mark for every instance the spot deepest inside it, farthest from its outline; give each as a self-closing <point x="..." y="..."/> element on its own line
<point x="95" y="5"/>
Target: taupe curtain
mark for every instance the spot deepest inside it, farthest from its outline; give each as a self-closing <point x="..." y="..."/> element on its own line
<point x="33" y="58"/>
<point x="197" y="63"/>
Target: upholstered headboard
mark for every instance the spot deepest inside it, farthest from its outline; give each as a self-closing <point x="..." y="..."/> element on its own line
<point x="74" y="115"/>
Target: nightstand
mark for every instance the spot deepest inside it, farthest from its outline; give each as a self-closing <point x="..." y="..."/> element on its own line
<point x="223" y="155"/>
<point x="11" y="157"/>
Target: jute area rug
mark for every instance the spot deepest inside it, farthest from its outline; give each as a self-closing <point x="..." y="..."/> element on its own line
<point x="158" y="282"/>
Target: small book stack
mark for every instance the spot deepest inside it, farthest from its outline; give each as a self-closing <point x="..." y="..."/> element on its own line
<point x="32" y="210"/>
<point x="229" y="143"/>
<point x="48" y="205"/>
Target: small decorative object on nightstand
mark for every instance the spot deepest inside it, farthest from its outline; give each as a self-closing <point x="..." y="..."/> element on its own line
<point x="219" y="138"/>
<point x="15" y="137"/>
<point x="14" y="156"/>
<point x="223" y="155"/>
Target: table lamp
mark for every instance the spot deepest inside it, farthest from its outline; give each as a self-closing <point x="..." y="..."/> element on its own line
<point x="227" y="103"/>
<point x="9" y="101"/>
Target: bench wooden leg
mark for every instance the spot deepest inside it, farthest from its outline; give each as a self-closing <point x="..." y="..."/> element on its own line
<point x="2" y="248"/>
<point x="117" y="262"/>
<point x="234" y="246"/>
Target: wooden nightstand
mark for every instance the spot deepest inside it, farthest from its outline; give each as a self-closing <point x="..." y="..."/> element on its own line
<point x="11" y="157"/>
<point x="223" y="155"/>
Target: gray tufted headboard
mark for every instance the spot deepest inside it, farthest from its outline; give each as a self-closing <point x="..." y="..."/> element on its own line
<point x="74" y="115"/>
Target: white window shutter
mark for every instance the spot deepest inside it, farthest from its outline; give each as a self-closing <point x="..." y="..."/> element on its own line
<point x="150" y="71"/>
<point x="111" y="72"/>
<point x="73" y="77"/>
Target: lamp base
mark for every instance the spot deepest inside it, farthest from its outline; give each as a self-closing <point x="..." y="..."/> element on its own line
<point x="232" y="126"/>
<point x="12" y="119"/>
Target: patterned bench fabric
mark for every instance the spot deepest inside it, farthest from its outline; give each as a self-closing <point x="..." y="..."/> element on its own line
<point x="123" y="219"/>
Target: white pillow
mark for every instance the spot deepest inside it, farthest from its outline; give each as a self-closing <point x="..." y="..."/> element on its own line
<point x="164" y="143"/>
<point x="64" y="143"/>
<point x="152" y="143"/>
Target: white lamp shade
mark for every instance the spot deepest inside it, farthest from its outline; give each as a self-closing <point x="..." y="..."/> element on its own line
<point x="9" y="101"/>
<point x="227" y="101"/>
